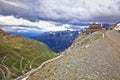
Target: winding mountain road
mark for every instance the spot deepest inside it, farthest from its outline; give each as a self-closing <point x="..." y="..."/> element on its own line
<point x="25" y="76"/>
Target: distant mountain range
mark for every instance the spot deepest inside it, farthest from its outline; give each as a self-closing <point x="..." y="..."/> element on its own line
<point x="19" y="55"/>
<point x="58" y="41"/>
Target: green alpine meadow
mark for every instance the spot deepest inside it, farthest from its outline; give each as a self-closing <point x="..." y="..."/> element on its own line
<point x="19" y="55"/>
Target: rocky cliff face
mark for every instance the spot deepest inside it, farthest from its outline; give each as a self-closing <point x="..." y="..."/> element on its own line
<point x="91" y="57"/>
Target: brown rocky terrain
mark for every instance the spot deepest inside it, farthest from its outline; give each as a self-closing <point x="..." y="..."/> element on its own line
<point x="91" y="57"/>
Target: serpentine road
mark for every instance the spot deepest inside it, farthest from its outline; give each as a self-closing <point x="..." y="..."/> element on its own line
<point x="25" y="76"/>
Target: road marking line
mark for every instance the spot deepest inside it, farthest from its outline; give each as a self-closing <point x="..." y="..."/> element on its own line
<point x="103" y="35"/>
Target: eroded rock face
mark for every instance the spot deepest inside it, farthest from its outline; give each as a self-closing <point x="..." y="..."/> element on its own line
<point x="91" y="57"/>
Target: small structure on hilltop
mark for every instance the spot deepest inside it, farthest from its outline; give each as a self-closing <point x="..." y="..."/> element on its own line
<point x="93" y="27"/>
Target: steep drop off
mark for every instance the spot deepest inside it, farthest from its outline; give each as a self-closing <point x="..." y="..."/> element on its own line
<point x="19" y="55"/>
<point x="91" y="57"/>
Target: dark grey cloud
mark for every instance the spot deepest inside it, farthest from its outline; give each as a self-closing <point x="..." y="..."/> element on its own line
<point x="64" y="11"/>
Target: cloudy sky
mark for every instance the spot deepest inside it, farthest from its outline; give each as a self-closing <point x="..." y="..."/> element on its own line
<point x="56" y="15"/>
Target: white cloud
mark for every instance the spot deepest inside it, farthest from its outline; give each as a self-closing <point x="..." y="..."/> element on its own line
<point x="14" y="24"/>
<point x="19" y="29"/>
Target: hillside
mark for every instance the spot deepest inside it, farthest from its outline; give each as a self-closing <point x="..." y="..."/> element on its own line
<point x="58" y="41"/>
<point x="91" y="57"/>
<point x="19" y="55"/>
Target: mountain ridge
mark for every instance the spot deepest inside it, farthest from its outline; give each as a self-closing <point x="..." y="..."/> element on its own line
<point x="58" y="41"/>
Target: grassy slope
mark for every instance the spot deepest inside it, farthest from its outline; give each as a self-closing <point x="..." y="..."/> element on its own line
<point x="20" y="54"/>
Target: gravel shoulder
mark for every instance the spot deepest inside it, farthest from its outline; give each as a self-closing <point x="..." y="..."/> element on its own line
<point x="89" y="58"/>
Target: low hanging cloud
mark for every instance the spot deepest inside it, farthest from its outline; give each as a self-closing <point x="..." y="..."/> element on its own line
<point x="10" y="23"/>
<point x="63" y="11"/>
<point x="19" y="29"/>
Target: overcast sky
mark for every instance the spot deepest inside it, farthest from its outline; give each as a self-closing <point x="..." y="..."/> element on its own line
<point x="64" y="12"/>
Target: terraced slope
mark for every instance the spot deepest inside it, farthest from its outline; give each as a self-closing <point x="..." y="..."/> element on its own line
<point x="19" y="55"/>
<point x="91" y="57"/>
